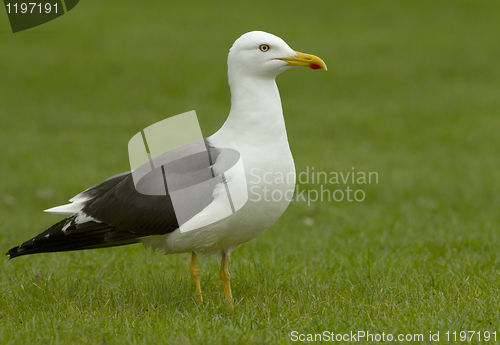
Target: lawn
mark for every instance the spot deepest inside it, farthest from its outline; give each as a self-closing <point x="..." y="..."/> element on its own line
<point x="412" y="93"/>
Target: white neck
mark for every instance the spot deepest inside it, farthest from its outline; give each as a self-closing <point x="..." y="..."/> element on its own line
<point x="256" y="128"/>
<point x="256" y="115"/>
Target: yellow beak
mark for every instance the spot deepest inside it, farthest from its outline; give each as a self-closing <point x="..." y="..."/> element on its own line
<point x="306" y="60"/>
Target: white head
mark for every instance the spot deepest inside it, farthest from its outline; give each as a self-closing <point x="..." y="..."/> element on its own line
<point x="260" y="54"/>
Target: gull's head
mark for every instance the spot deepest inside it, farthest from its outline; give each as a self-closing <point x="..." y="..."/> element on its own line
<point x="259" y="53"/>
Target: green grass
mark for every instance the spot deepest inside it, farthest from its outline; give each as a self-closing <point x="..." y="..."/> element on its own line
<point x="412" y="93"/>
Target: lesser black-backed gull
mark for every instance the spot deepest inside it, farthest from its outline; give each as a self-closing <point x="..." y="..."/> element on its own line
<point x="114" y="213"/>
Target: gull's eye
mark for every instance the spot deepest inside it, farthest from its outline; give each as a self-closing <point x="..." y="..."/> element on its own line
<point x="264" y="47"/>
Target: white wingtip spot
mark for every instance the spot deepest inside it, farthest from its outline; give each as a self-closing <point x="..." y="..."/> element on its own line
<point x="84" y="218"/>
<point x="66" y="226"/>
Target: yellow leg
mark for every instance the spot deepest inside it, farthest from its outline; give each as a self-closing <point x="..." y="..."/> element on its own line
<point x="196" y="274"/>
<point x="224" y="276"/>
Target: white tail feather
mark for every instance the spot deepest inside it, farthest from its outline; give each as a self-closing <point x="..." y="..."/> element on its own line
<point x="66" y="210"/>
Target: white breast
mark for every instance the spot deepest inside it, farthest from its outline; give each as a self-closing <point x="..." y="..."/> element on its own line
<point x="256" y="129"/>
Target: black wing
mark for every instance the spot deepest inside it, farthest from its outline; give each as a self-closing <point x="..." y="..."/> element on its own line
<point x="114" y="213"/>
<point x="119" y="215"/>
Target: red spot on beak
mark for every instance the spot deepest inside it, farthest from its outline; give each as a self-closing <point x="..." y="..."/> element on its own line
<point x="315" y="66"/>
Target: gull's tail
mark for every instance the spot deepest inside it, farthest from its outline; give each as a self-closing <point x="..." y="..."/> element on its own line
<point x="68" y="235"/>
